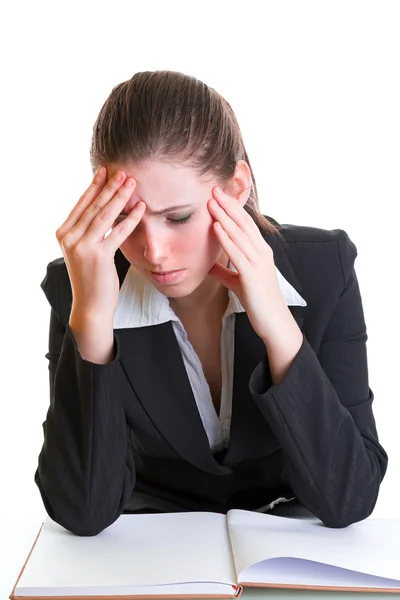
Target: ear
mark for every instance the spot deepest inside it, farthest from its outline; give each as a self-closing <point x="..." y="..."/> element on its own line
<point x="240" y="185"/>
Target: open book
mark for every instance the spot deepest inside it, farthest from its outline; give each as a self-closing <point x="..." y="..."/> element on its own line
<point x="210" y="554"/>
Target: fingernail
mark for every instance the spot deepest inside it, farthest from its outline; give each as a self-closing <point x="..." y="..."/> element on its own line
<point x="99" y="172"/>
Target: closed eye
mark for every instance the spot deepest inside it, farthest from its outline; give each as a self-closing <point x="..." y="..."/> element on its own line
<point x="181" y="221"/>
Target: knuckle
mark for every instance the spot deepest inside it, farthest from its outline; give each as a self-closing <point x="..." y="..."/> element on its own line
<point x="79" y="250"/>
<point x="121" y="227"/>
<point x="126" y="227"/>
<point x="65" y="242"/>
<point x="110" y="186"/>
<point x="85" y="199"/>
<point x="103" y="214"/>
<point x="94" y="207"/>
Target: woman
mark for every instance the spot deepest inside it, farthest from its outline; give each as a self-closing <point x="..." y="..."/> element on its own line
<point x="201" y="356"/>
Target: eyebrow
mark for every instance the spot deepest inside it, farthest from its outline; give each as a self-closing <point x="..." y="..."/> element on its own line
<point x="166" y="210"/>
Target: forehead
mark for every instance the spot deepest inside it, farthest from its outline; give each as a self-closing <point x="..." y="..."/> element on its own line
<point x="157" y="174"/>
<point x="161" y="185"/>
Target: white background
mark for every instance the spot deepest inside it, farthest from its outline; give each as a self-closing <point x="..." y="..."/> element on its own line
<point x="315" y="86"/>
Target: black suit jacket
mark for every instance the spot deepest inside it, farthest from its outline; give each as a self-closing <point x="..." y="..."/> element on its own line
<point x="128" y="433"/>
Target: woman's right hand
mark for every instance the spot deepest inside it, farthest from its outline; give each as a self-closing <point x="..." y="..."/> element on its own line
<point x="89" y="256"/>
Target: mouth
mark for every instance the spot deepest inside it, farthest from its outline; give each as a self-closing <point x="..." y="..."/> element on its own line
<point x="166" y="277"/>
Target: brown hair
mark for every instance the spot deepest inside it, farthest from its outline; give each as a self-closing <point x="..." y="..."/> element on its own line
<point x="170" y="117"/>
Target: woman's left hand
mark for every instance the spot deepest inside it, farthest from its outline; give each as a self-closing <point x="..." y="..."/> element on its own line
<point x="255" y="283"/>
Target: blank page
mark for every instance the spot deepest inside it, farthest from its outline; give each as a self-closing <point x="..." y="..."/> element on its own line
<point x="371" y="546"/>
<point x="304" y="572"/>
<point x="135" y="551"/>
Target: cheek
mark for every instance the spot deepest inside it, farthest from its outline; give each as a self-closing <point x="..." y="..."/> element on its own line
<point x="200" y="238"/>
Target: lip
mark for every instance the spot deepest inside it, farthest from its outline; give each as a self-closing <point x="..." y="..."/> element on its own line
<point x="166" y="276"/>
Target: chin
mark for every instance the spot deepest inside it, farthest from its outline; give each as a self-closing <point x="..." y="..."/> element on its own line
<point x="179" y="290"/>
<point x="176" y="291"/>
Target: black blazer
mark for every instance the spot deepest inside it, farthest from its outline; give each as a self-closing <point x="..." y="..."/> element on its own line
<point x="128" y="434"/>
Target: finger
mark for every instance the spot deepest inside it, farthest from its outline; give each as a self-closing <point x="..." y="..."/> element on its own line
<point x="85" y="200"/>
<point x="235" y="233"/>
<point x="101" y="213"/>
<point x="226" y="276"/>
<point x="114" y="185"/>
<point x="123" y="229"/>
<point x="239" y="216"/>
<point x="106" y="192"/>
<point x="238" y="259"/>
<point x="108" y="213"/>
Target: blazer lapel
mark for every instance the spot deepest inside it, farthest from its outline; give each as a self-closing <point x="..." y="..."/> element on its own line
<point x="250" y="435"/>
<point x="154" y="366"/>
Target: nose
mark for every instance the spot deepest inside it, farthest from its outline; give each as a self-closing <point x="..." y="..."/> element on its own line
<point x="154" y="248"/>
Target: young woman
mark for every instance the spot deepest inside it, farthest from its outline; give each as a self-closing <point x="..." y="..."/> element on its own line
<point x="201" y="355"/>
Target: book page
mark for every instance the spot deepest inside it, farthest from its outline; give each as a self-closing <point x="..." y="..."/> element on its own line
<point x="134" y="552"/>
<point x="299" y="572"/>
<point x="371" y="546"/>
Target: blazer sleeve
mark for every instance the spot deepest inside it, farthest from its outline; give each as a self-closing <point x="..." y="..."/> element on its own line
<point x="321" y="413"/>
<point x="86" y="469"/>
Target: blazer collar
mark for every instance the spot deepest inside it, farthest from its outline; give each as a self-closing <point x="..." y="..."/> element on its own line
<point x="140" y="304"/>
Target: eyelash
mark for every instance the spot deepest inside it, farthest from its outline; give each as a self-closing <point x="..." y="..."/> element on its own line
<point x="180" y="221"/>
<point x="173" y="221"/>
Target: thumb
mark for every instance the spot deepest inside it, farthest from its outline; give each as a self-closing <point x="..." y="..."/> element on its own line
<point x="226" y="276"/>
